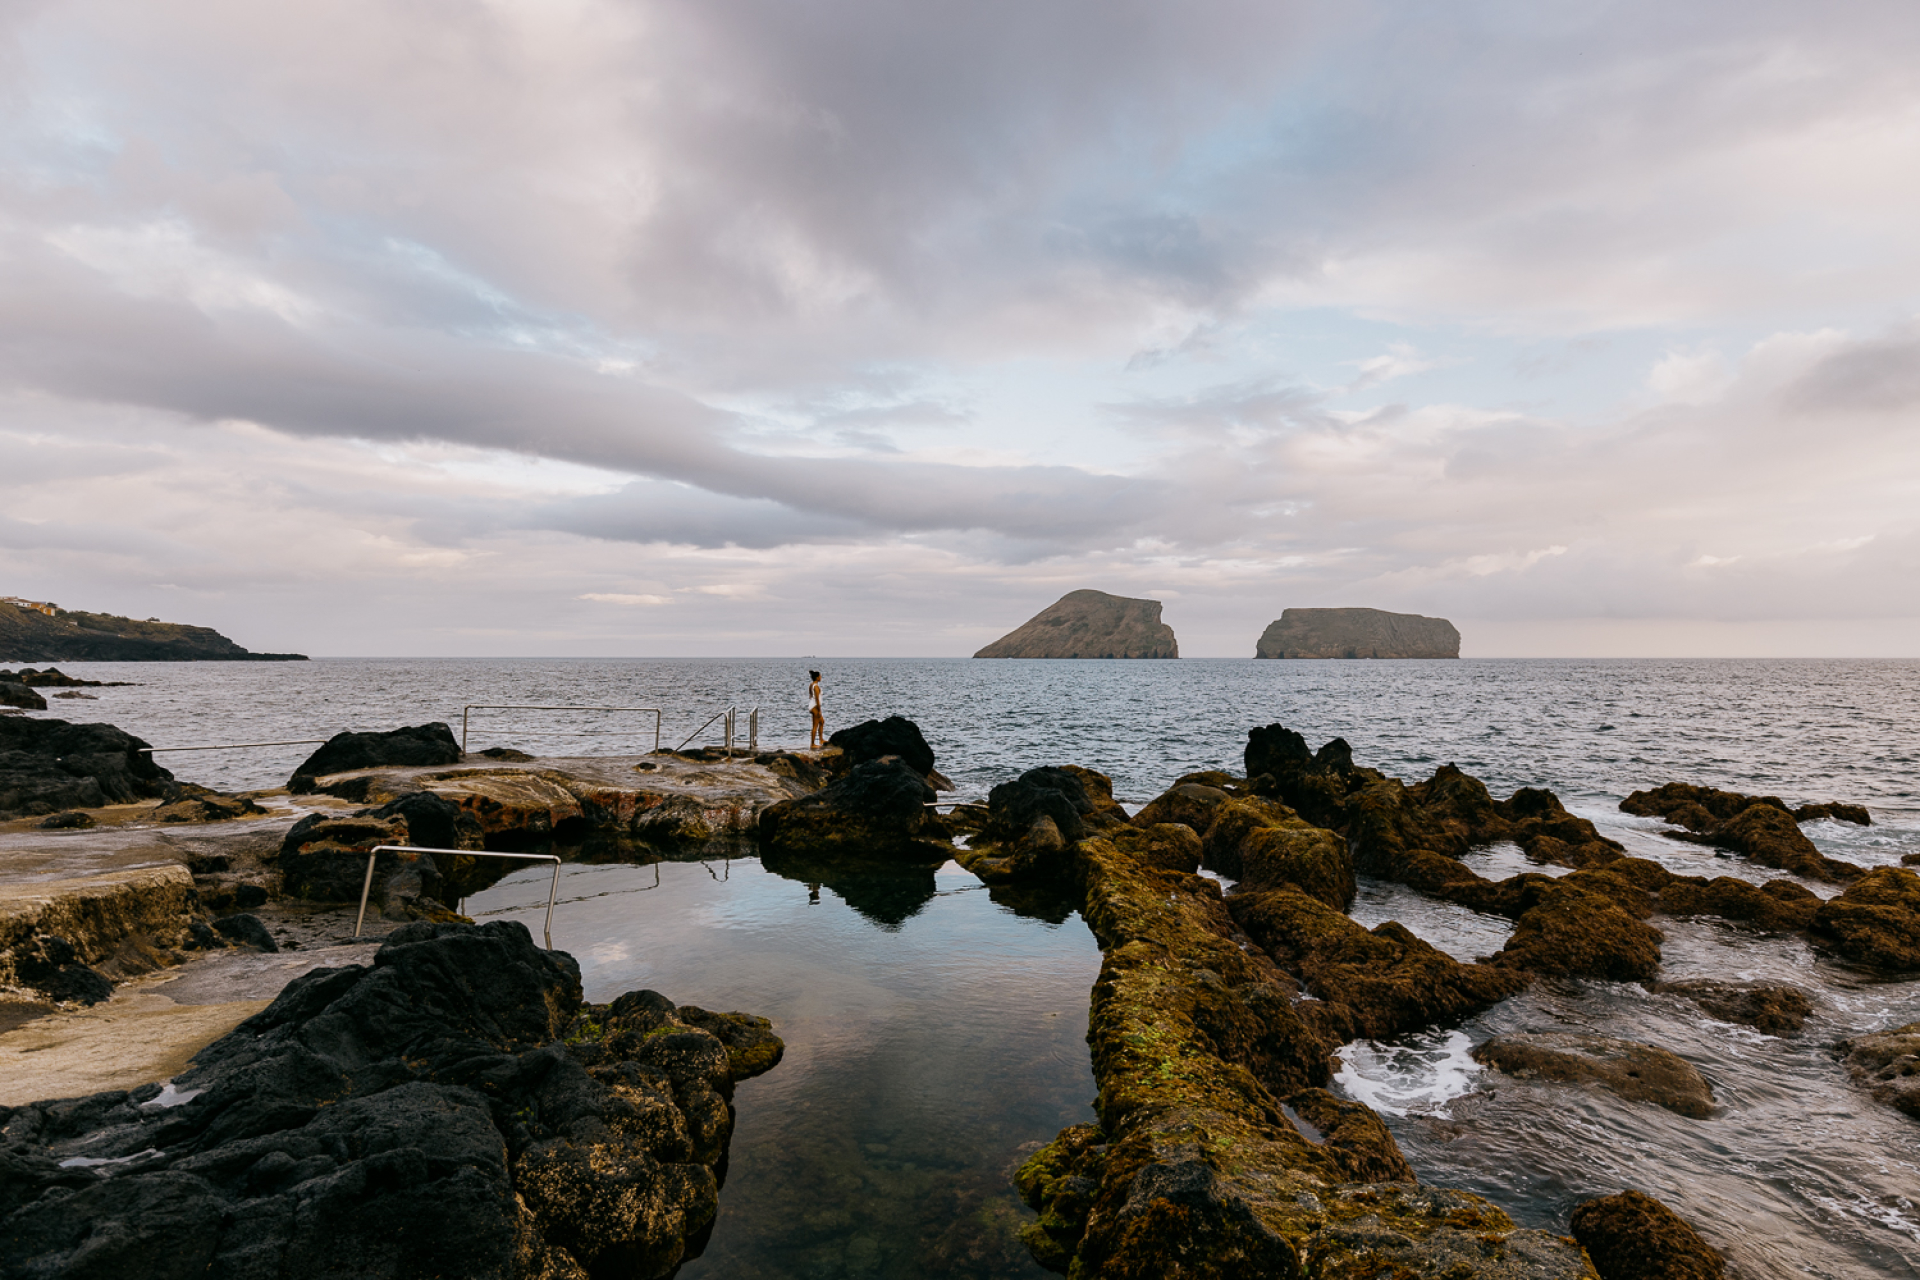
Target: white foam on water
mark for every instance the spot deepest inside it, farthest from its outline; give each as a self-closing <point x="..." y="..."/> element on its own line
<point x="1417" y="1076"/>
<point x="88" y="1162"/>
<point x="172" y="1097"/>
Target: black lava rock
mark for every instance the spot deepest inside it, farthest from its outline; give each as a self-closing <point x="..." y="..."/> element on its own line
<point x="246" y="929"/>
<point x="879" y="809"/>
<point x="48" y="765"/>
<point x="425" y="744"/>
<point x="50" y="965"/>
<point x="451" y="1110"/>
<point x="13" y="694"/>
<point x="894" y="736"/>
<point x="1013" y="807"/>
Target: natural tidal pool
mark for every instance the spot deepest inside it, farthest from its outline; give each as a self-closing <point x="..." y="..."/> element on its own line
<point x="930" y="1031"/>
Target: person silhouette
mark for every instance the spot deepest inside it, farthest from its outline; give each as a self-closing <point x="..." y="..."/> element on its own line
<point x="818" y="738"/>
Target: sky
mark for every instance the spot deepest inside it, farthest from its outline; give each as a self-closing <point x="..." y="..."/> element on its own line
<point x="859" y="327"/>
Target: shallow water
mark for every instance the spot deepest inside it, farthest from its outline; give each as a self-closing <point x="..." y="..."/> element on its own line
<point x="923" y="1042"/>
<point x="882" y="1143"/>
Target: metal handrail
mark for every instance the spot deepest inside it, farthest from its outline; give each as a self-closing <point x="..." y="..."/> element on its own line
<point x="366" y="886"/>
<point x="472" y="707"/>
<point x="731" y="715"/>
<point x="235" y="746"/>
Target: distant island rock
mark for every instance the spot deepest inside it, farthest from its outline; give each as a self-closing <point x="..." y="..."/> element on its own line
<point x="1090" y="624"/>
<point x="32" y="631"/>
<point x="1357" y="633"/>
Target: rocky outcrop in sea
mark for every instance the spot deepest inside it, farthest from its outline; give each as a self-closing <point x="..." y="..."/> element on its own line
<point x="1357" y="633"/>
<point x="1089" y="624"/>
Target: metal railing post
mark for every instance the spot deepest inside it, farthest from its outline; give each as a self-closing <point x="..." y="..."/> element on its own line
<point x="366" y="886"/>
<point x="753" y="732"/>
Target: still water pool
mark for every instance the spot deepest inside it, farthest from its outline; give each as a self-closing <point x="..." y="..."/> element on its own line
<point x="930" y="1032"/>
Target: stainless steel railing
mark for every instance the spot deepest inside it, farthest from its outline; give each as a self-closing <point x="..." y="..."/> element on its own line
<point x="730" y="716"/>
<point x="467" y="711"/>
<point x="366" y="886"/>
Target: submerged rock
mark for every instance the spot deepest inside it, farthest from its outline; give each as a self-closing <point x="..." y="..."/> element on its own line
<point x="879" y="810"/>
<point x="1641" y="1072"/>
<point x="424" y="744"/>
<point x="1089" y="624"/>
<point x="1888" y="1064"/>
<point x="49" y="765"/>
<point x="1773" y="1007"/>
<point x="453" y="1109"/>
<point x="1631" y="1236"/>
<point x="1357" y="633"/>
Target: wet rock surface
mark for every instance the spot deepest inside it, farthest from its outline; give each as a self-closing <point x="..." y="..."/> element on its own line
<point x="1632" y="1236"/>
<point x="13" y="694"/>
<point x="1887" y="1063"/>
<point x="1195" y="1168"/>
<point x="873" y="739"/>
<point x="1876" y="921"/>
<point x="1761" y="828"/>
<point x="452" y="1109"/>
<point x="1772" y="1007"/>
<point x="1642" y="1072"/>
<point x="49" y="765"/>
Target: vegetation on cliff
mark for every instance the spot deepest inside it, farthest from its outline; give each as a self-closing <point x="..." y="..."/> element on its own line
<point x="28" y="635"/>
<point x="1357" y="633"/>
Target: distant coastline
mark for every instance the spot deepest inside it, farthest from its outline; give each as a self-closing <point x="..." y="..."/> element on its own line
<point x="34" y="631"/>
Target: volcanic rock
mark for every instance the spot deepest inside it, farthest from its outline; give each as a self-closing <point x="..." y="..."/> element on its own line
<point x="1876" y="921"/>
<point x="1888" y="1063"/>
<point x="1761" y="828"/>
<point x="1631" y="1236"/>
<point x="48" y="765"/>
<point x="1374" y="983"/>
<point x="50" y="965"/>
<point x="1836" y="811"/>
<point x="1357" y="633"/>
<point x="454" y="1109"/>
<point x="878" y="810"/>
<point x="872" y="739"/>
<point x="425" y="744"/>
<point x="1090" y="624"/>
<point x="1167" y="846"/>
<point x="1641" y="1072"/>
<point x="1772" y="1007"/>
<point x="18" y="695"/>
<point x="1780" y="905"/>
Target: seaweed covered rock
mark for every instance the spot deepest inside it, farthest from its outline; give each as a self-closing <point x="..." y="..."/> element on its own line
<point x="1876" y="921"/>
<point x="1195" y="1169"/>
<point x="1371" y="983"/>
<point x="1778" y="905"/>
<point x="1761" y="828"/>
<point x="1632" y="1236"/>
<point x="1641" y="1072"/>
<point x="1773" y="1007"/>
<point x="1834" y="811"/>
<point x="1586" y="925"/>
<point x="875" y="739"/>
<point x="1191" y="803"/>
<point x="422" y="744"/>
<point x="452" y="1109"/>
<point x="50" y="765"/>
<point x="1887" y="1063"/>
<point x="878" y="810"/>
<point x="1167" y="846"/>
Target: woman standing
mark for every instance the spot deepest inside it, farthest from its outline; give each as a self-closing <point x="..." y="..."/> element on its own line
<point x="819" y="736"/>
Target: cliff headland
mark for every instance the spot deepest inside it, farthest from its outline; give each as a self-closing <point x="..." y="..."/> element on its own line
<point x="1089" y="624"/>
<point x="31" y="634"/>
<point x="1357" y="633"/>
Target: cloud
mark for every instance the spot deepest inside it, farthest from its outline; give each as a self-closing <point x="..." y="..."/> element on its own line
<point x="614" y="597"/>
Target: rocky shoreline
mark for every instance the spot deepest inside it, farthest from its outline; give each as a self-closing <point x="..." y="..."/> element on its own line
<point x="1231" y="971"/>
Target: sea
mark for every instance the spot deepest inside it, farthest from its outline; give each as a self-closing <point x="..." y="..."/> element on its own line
<point x="935" y="1029"/>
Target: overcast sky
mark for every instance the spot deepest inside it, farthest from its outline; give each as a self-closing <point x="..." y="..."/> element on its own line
<point x="872" y="327"/>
